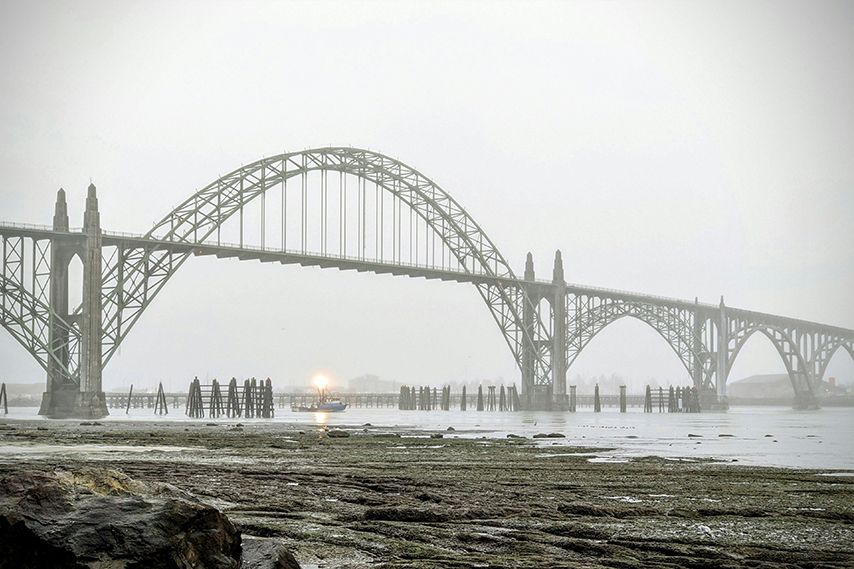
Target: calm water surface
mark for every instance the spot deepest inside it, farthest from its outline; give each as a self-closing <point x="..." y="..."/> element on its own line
<point x="767" y="436"/>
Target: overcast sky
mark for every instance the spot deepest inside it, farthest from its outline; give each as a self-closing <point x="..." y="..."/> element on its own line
<point x="674" y="148"/>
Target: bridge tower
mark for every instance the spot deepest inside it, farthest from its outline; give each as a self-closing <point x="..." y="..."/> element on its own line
<point x="64" y="396"/>
<point x="552" y="347"/>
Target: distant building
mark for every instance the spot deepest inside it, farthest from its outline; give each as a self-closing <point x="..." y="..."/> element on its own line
<point x="777" y="388"/>
<point x="768" y="386"/>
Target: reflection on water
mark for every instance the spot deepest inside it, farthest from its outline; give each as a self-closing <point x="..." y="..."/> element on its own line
<point x="771" y="436"/>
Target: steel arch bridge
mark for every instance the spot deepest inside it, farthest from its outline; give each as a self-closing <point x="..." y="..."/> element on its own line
<point x="352" y="209"/>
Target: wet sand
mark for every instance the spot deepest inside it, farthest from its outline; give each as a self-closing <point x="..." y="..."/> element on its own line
<point x="388" y="497"/>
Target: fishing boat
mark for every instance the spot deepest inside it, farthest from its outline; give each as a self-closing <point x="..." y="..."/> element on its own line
<point x="326" y="404"/>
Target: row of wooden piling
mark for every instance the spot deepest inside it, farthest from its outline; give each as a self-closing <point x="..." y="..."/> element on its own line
<point x="678" y="400"/>
<point x="425" y="399"/>
<point x="254" y="399"/>
<point x="4" y="399"/>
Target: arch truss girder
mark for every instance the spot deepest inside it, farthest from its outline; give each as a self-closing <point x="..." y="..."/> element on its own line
<point x="805" y="349"/>
<point x="25" y="310"/>
<point x="132" y="278"/>
<point x="586" y="316"/>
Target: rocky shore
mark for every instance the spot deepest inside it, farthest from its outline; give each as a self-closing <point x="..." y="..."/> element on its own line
<point x="382" y="497"/>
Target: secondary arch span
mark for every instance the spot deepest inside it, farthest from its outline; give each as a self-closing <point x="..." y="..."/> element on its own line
<point x="674" y="325"/>
<point x="785" y="346"/>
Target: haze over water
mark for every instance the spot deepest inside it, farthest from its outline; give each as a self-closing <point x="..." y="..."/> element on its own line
<point x="799" y="439"/>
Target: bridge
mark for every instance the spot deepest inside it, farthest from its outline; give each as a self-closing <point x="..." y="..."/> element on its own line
<point x="353" y="209"/>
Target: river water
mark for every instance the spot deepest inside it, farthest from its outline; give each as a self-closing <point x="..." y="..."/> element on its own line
<point x="764" y="436"/>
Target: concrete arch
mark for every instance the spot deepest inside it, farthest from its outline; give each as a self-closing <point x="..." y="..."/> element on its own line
<point x="829" y="349"/>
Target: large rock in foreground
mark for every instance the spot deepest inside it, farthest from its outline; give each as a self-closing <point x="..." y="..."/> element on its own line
<point x="99" y="519"/>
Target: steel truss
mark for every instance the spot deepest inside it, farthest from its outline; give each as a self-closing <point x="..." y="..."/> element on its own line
<point x="134" y="276"/>
<point x="804" y="347"/>
<point x="25" y="310"/>
<point x="588" y="315"/>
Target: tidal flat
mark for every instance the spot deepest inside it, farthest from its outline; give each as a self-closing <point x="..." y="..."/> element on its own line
<point x="390" y="497"/>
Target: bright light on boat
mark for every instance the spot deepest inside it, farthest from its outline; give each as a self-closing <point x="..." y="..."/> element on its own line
<point x="321" y="382"/>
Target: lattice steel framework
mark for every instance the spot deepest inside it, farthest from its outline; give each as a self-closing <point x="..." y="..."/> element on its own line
<point x="25" y="306"/>
<point x="134" y="275"/>
<point x="587" y="315"/>
<point x="805" y="347"/>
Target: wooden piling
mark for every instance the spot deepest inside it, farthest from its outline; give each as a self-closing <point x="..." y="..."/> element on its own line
<point x="4" y="399"/>
<point x="597" y="406"/>
<point x="130" y="395"/>
<point x="268" y="411"/>
<point x="573" y="400"/>
<point x="647" y="400"/>
<point x="463" y="400"/>
<point x="160" y="405"/>
<point x="660" y="399"/>
<point x="502" y="400"/>
<point x="490" y="398"/>
<point x="622" y="399"/>
<point x="232" y="404"/>
<point x="248" y="403"/>
<point x="480" y="398"/>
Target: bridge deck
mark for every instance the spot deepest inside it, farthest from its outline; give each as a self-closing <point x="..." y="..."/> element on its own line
<point x="341" y="262"/>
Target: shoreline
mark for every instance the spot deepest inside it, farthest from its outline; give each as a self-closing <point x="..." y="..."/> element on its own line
<point x="398" y="497"/>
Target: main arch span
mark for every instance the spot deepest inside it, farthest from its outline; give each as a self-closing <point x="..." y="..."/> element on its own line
<point x="351" y="209"/>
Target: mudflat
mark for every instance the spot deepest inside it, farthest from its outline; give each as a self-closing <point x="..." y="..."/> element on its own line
<point x="387" y="497"/>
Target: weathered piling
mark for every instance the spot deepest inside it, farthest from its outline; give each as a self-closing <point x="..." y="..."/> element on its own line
<point x="215" y="402"/>
<point x="248" y="403"/>
<point x="660" y="400"/>
<point x="693" y="405"/>
<point x="671" y="401"/>
<point x="463" y="400"/>
<point x="597" y="407"/>
<point x="130" y="394"/>
<point x="4" y="399"/>
<point x="622" y="399"/>
<point x="232" y="404"/>
<point x="480" y="398"/>
<point x="502" y="400"/>
<point x="647" y="400"/>
<point x="490" y="398"/>
<point x="446" y="398"/>
<point x="517" y="403"/>
<point x="573" y="399"/>
<point x="435" y="404"/>
<point x="268" y="410"/>
<point x="195" y="405"/>
<point x="160" y="405"/>
<point x="403" y="399"/>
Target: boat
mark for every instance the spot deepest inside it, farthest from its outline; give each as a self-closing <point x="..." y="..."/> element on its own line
<point x="326" y="404"/>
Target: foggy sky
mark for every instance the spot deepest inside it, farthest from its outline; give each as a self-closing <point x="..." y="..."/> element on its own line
<point x="677" y="149"/>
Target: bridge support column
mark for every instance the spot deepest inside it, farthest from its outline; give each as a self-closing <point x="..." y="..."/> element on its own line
<point x="561" y="400"/>
<point x="87" y="399"/>
<point x="528" y="354"/>
<point x="723" y="353"/>
<point x="804" y="396"/>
